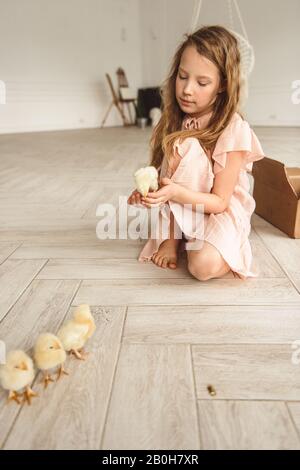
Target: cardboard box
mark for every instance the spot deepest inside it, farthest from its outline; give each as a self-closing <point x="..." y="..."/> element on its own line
<point x="277" y="195"/>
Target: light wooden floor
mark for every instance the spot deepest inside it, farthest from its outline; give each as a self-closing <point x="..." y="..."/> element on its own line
<point x="162" y="336"/>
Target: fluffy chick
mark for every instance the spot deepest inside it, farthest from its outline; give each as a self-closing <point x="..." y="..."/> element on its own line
<point x="17" y="374"/>
<point x="83" y="315"/>
<point x="145" y="179"/>
<point x="77" y="331"/>
<point x="49" y="354"/>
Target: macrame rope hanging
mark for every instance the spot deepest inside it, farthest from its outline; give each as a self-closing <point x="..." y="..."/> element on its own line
<point x="246" y="49"/>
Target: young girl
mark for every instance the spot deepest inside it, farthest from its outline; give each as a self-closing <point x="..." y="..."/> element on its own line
<point x="203" y="148"/>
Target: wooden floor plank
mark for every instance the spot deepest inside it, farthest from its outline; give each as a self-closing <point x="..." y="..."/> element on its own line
<point x="212" y="324"/>
<point x="246" y="425"/>
<point x="6" y="249"/>
<point x="188" y="292"/>
<point x="109" y="269"/>
<point x="15" y="276"/>
<point x="262" y="258"/>
<point x="109" y="249"/>
<point x="37" y="236"/>
<point x="153" y="403"/>
<point x="248" y="371"/>
<point x="284" y="249"/>
<point x="294" y="409"/>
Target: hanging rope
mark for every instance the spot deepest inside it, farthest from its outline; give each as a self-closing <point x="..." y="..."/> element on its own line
<point x="241" y="19"/>
<point x="246" y="50"/>
<point x="198" y="7"/>
<point x="196" y="14"/>
<point x="230" y="13"/>
<point x="247" y="53"/>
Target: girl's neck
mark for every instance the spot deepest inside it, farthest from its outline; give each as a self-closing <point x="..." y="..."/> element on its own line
<point x="207" y="111"/>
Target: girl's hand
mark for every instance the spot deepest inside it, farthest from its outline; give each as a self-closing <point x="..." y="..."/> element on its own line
<point x="134" y="198"/>
<point x="165" y="193"/>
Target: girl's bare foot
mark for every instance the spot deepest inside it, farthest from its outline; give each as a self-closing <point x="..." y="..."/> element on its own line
<point x="166" y="256"/>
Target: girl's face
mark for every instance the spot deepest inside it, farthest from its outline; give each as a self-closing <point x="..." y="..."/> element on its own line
<point x="197" y="82"/>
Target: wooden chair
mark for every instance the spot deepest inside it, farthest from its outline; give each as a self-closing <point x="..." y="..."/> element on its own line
<point x="127" y="95"/>
<point x="124" y="97"/>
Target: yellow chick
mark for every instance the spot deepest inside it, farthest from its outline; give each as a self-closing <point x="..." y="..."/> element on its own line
<point x="145" y="179"/>
<point x="16" y="374"/>
<point x="48" y="354"/>
<point x="77" y="331"/>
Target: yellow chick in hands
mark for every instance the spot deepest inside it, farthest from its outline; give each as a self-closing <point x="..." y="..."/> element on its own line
<point x="16" y="374"/>
<point x="49" y="353"/>
<point x="145" y="179"/>
<point x="75" y="333"/>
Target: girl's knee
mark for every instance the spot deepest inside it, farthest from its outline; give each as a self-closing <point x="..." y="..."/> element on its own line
<point x="204" y="265"/>
<point x="202" y="273"/>
<point x="198" y="274"/>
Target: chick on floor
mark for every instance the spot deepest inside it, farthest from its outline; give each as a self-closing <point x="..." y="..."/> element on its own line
<point x="16" y="375"/>
<point x="49" y="354"/>
<point x="75" y="333"/>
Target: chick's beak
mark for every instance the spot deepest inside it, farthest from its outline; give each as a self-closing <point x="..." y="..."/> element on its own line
<point x="57" y="346"/>
<point x="23" y="366"/>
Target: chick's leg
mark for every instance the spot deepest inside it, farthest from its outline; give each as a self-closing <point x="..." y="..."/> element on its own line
<point x="61" y="371"/>
<point x="13" y="396"/>
<point x="46" y="379"/>
<point x="28" y="394"/>
<point x="80" y="353"/>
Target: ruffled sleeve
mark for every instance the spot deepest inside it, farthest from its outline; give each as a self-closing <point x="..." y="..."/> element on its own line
<point x="237" y="136"/>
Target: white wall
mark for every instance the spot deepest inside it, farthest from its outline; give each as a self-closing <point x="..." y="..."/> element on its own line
<point x="54" y="55"/>
<point x="53" y="59"/>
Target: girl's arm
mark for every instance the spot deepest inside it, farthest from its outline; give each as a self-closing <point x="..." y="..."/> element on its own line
<point x="212" y="203"/>
<point x="218" y="199"/>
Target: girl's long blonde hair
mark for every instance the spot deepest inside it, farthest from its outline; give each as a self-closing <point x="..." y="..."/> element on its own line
<point x="220" y="46"/>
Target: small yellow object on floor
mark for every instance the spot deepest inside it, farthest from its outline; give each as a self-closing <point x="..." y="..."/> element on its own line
<point x="16" y="375"/>
<point x="75" y="333"/>
<point x="49" y="354"/>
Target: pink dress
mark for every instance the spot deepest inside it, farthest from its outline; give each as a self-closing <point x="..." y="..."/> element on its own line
<point x="227" y="231"/>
